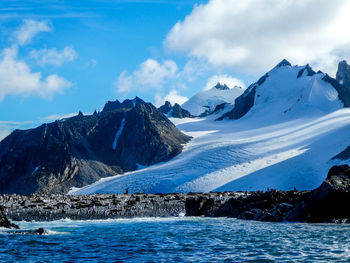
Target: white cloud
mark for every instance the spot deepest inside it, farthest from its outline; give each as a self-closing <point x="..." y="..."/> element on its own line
<point x="173" y="97"/>
<point x="224" y="79"/>
<point x="29" y="29"/>
<point x="150" y="75"/>
<point x="54" y="117"/>
<point x="16" y="78"/>
<point x="255" y="34"/>
<point x="53" y="56"/>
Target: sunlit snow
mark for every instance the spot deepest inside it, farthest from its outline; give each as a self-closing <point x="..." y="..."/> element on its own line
<point x="286" y="141"/>
<point x="118" y="133"/>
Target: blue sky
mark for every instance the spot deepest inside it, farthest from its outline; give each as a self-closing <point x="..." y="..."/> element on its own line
<point x="59" y="57"/>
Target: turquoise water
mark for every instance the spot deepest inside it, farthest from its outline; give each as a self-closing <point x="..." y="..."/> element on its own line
<point x="177" y="240"/>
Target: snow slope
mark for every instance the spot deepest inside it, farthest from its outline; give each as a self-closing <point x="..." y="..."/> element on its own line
<point x="286" y="141"/>
<point x="209" y="99"/>
<point x="284" y="95"/>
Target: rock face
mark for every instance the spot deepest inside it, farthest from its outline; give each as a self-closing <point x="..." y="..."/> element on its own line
<point x="220" y="86"/>
<point x="329" y="203"/>
<point x="242" y="104"/>
<point x="5" y="222"/>
<point x="343" y="73"/>
<point x="78" y="151"/>
<point x="342" y="84"/>
<point x="174" y="111"/>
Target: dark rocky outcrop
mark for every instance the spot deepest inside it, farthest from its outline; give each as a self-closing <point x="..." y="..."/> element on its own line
<point x="283" y="63"/>
<point x="221" y="86"/>
<point x="343" y="91"/>
<point x="342" y="82"/>
<point x="166" y="107"/>
<point x="343" y="73"/>
<point x="175" y="111"/>
<point x="309" y="71"/>
<point x="80" y="150"/>
<point x="5" y="222"/>
<point x="242" y="104"/>
<point x="245" y="102"/>
<point x="328" y="203"/>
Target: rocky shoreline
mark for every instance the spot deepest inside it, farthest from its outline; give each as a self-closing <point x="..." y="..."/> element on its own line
<point x="329" y="203"/>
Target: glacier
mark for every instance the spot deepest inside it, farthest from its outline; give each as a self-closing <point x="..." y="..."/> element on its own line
<point x="286" y="141"/>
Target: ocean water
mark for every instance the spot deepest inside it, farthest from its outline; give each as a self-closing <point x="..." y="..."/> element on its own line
<point x="177" y="240"/>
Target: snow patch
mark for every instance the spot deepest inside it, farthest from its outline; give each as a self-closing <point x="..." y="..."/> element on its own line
<point x="35" y="170"/>
<point x="118" y="133"/>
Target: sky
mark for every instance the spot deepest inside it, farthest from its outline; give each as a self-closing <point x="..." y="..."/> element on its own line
<point x="61" y="57"/>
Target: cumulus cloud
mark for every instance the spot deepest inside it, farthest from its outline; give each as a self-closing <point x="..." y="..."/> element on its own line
<point x="29" y="29"/>
<point x="255" y="34"/>
<point x="53" y="56"/>
<point x="16" y="78"/>
<point x="173" y="97"/>
<point x="224" y="79"/>
<point x="150" y="75"/>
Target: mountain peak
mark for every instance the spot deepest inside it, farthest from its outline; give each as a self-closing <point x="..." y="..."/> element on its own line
<point x="283" y="63"/>
<point x="127" y="104"/>
<point x="343" y="73"/>
<point x="175" y="111"/>
<point x="220" y="86"/>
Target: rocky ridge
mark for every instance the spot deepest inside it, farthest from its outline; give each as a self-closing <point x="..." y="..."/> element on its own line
<point x="78" y="151"/>
<point x="175" y="111"/>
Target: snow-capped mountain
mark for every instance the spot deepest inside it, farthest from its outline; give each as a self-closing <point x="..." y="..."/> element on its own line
<point x="283" y="133"/>
<point x="206" y="101"/>
<point x="288" y="92"/>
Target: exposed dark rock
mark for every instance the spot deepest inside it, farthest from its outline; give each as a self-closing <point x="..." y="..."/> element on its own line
<point x="221" y="86"/>
<point x="175" y="111"/>
<point x="343" y="91"/>
<point x="342" y="82"/>
<point x="262" y="79"/>
<point x="126" y="104"/>
<point x="343" y="73"/>
<point x="219" y="108"/>
<point x="166" y="108"/>
<point x="5" y="222"/>
<point x="40" y="231"/>
<point x="309" y="71"/>
<point x="242" y="104"/>
<point x="245" y="102"/>
<point x="283" y="63"/>
<point x="344" y="155"/>
<point x="328" y="203"/>
<point x="80" y="150"/>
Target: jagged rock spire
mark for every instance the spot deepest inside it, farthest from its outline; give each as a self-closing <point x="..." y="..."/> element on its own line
<point x="283" y="63"/>
<point x="221" y="86"/>
<point x="343" y="73"/>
